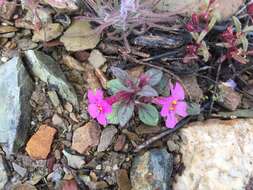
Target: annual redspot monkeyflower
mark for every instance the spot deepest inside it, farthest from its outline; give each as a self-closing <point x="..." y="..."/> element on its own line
<point x="174" y="106"/>
<point x="2" y="2"/>
<point x="98" y="107"/>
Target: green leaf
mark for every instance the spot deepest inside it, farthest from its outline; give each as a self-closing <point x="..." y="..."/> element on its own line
<point x="203" y="51"/>
<point x="212" y="22"/>
<point x="248" y="29"/>
<point x="193" y="109"/>
<point x="237" y="23"/>
<point x="148" y="114"/>
<point x="195" y="35"/>
<point x="115" y="86"/>
<point x="154" y="75"/>
<point x="113" y="117"/>
<point x="163" y="86"/>
<point x="245" y="43"/>
<point x="201" y="36"/>
<point x="125" y="112"/>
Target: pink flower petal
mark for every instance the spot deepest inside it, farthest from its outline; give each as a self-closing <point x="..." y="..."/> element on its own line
<point x="181" y="109"/>
<point x="91" y="97"/>
<point x="162" y="100"/>
<point x="177" y="92"/>
<point x="99" y="94"/>
<point x="171" y="120"/>
<point x="93" y="110"/>
<point x="165" y="110"/>
<point x="102" y="119"/>
<point x="107" y="108"/>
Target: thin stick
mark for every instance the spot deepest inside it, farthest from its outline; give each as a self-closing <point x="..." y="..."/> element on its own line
<point x="154" y="66"/>
<point x="163" y="134"/>
<point x="159" y="68"/>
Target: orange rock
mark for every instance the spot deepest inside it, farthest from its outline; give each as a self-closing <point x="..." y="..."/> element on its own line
<point x="39" y="145"/>
<point x="86" y="137"/>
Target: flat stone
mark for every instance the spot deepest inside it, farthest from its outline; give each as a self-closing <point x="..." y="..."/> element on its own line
<point x="226" y="8"/>
<point x="120" y="143"/>
<point x="192" y="88"/>
<point x="3" y="174"/>
<point x="48" y="33"/>
<point x="15" y="111"/>
<point x="44" y="15"/>
<point x="79" y="36"/>
<point x="20" y="170"/>
<point x="136" y="71"/>
<point x="96" y="59"/>
<point x="74" y="161"/>
<point x="8" y="9"/>
<point x="69" y="5"/>
<point x="26" y="44"/>
<point x="24" y="186"/>
<point x="106" y="138"/>
<point x="228" y="97"/>
<point x="216" y="154"/>
<point x="72" y="63"/>
<point x="47" y="70"/>
<point x="152" y="170"/>
<point x="91" y="78"/>
<point x="7" y="29"/>
<point x="86" y="137"/>
<point x="39" y="145"/>
<point x="123" y="181"/>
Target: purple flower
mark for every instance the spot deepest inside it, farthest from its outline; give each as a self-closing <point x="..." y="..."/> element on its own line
<point x="98" y="107"/>
<point x="173" y="106"/>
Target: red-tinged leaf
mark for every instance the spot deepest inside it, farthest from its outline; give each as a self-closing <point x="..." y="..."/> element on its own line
<point x="122" y="76"/>
<point x="250" y="9"/>
<point x="239" y="58"/>
<point x="147" y="91"/>
<point x="69" y="185"/>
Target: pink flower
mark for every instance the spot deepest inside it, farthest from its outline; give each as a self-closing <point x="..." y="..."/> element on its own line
<point x="2" y="2"/>
<point x="173" y="106"/>
<point x="98" y="107"/>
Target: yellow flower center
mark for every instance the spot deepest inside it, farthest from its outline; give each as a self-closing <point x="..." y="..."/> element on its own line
<point x="172" y="107"/>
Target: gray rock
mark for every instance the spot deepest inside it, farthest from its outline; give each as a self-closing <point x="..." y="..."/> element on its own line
<point x="3" y="174"/>
<point x="47" y="70"/>
<point x="152" y="170"/>
<point x="20" y="170"/>
<point x="225" y="8"/>
<point x="16" y="89"/>
<point x="48" y="33"/>
<point x="96" y="59"/>
<point x="80" y="36"/>
<point x="106" y="138"/>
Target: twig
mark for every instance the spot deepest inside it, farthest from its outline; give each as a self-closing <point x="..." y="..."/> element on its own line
<point x="163" y="134"/>
<point x="154" y="66"/>
<point x="169" y="53"/>
<point x="159" y="68"/>
<point x="215" y="87"/>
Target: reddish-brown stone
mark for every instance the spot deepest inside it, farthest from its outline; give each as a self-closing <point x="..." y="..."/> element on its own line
<point x="39" y="145"/>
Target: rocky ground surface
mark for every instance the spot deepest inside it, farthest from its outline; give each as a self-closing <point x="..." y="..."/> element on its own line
<point x="49" y="141"/>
